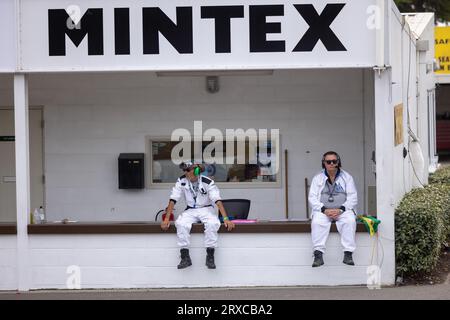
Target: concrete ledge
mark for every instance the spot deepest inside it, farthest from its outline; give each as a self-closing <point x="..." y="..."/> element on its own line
<point x="146" y="227"/>
<point x="242" y="259"/>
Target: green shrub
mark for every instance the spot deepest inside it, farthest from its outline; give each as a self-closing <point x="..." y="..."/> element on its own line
<point x="441" y="175"/>
<point x="420" y="228"/>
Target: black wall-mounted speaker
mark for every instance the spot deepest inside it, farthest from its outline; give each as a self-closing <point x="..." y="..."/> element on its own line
<point x="131" y="171"/>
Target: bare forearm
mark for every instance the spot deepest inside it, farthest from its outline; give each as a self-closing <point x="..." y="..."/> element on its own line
<point x="221" y="209"/>
<point x="169" y="210"/>
<point x="228" y="224"/>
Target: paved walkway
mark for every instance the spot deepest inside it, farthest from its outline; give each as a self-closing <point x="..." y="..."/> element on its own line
<point x="426" y="292"/>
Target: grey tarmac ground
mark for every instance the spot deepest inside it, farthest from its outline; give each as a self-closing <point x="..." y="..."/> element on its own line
<point x="423" y="292"/>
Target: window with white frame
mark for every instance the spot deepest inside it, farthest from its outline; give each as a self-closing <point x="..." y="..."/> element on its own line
<point x="260" y="167"/>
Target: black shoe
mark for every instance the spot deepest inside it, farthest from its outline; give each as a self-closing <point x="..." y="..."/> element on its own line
<point x="318" y="259"/>
<point x="185" y="259"/>
<point x="210" y="258"/>
<point x="348" y="258"/>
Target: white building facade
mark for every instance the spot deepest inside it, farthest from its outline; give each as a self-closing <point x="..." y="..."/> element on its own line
<point x="80" y="85"/>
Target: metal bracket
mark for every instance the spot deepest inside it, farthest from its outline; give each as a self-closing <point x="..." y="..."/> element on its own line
<point x="379" y="69"/>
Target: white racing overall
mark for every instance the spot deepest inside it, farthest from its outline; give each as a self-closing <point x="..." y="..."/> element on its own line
<point x="345" y="223"/>
<point x="199" y="209"/>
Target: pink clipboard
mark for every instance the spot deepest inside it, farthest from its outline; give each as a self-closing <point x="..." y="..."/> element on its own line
<point x="244" y="221"/>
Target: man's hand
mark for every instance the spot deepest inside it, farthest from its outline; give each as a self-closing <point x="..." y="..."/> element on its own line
<point x="228" y="224"/>
<point x="165" y="224"/>
<point x="332" y="213"/>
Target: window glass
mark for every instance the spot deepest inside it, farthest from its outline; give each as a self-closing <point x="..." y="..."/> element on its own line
<point x="263" y="167"/>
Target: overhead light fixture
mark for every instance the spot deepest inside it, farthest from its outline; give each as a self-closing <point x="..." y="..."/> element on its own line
<point x="215" y="73"/>
<point x="212" y="84"/>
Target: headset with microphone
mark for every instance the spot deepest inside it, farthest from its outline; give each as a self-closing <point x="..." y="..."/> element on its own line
<point x="339" y="163"/>
<point x="198" y="168"/>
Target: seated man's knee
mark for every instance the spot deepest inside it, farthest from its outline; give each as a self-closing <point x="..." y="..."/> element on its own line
<point x="180" y="224"/>
<point x="348" y="220"/>
<point x="318" y="221"/>
<point x="212" y="225"/>
<point x="315" y="223"/>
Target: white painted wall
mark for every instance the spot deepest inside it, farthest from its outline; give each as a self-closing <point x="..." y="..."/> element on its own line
<point x="427" y="82"/>
<point x="7" y="36"/>
<point x="8" y="262"/>
<point x="400" y="45"/>
<point x="404" y="61"/>
<point x="138" y="261"/>
<point x="90" y="119"/>
<point x="401" y="83"/>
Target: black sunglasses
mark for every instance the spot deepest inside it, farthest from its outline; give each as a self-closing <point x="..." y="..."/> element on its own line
<point x="331" y="161"/>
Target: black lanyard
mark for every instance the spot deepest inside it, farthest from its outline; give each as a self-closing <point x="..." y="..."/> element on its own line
<point x="331" y="191"/>
<point x="330" y="197"/>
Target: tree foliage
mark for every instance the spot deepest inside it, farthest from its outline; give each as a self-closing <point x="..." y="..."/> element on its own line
<point x="440" y="7"/>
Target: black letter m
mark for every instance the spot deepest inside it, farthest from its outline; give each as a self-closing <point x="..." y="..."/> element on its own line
<point x="60" y="24"/>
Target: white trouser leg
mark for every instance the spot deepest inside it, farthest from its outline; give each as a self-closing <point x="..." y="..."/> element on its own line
<point x="184" y="225"/>
<point x="346" y="225"/>
<point x="209" y="218"/>
<point x="320" y="229"/>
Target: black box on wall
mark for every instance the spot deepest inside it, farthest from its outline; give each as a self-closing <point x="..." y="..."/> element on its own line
<point x="131" y="171"/>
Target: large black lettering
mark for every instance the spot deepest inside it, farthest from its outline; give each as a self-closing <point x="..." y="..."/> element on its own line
<point x="259" y="28"/>
<point x="222" y="16"/>
<point x="179" y="35"/>
<point x="319" y="27"/>
<point x="122" y="30"/>
<point x="59" y="24"/>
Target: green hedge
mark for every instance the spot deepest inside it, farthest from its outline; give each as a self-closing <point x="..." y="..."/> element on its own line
<point x="421" y="228"/>
<point x="440" y="176"/>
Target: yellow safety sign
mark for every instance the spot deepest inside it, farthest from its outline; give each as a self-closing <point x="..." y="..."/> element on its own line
<point x="442" y="49"/>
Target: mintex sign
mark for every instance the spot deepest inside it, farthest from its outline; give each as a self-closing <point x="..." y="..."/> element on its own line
<point x="7" y="36"/>
<point x="196" y="35"/>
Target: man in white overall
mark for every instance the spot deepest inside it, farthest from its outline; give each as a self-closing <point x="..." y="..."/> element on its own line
<point x="200" y="193"/>
<point x="333" y="197"/>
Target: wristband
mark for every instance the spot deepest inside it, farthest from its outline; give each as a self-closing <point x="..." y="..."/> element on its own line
<point x="225" y="218"/>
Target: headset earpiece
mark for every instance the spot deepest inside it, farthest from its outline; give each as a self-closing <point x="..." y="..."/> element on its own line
<point x="339" y="164"/>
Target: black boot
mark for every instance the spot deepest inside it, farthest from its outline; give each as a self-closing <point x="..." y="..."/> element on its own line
<point x="318" y="259"/>
<point x="210" y="258"/>
<point x="185" y="259"/>
<point x="348" y="258"/>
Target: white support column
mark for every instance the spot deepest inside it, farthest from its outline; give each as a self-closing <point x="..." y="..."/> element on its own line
<point x="384" y="141"/>
<point x="22" y="179"/>
<point x="381" y="34"/>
